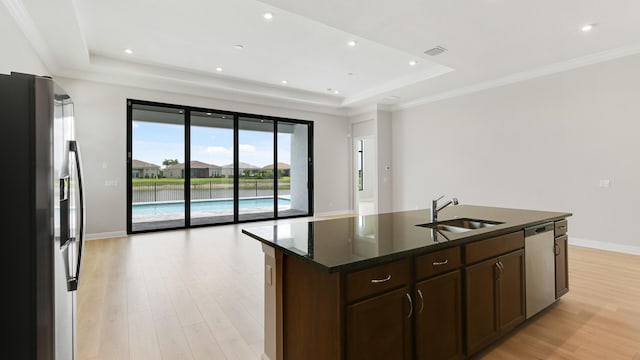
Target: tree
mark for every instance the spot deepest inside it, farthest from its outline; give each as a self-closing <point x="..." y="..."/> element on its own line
<point x="168" y="162"/>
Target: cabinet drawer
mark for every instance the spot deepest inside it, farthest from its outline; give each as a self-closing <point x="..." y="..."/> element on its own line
<point x="437" y="262"/>
<point x="561" y="227"/>
<point x="377" y="279"/>
<point x="485" y="249"/>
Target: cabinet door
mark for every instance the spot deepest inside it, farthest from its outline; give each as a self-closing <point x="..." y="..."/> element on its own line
<point x="562" y="271"/>
<point x="511" y="302"/>
<point x="380" y="327"/>
<point x="438" y="318"/>
<point x="481" y="304"/>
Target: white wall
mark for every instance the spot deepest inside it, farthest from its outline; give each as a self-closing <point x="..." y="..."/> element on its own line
<point x="17" y="53"/>
<point x="101" y="130"/>
<point x="384" y="151"/>
<point x="299" y="168"/>
<point x="540" y="144"/>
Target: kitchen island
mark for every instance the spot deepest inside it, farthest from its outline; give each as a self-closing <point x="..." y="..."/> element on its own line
<point x="391" y="286"/>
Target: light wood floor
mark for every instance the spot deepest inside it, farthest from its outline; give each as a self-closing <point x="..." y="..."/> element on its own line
<point x="198" y="294"/>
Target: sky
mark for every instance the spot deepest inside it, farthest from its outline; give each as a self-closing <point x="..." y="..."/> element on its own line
<point x="155" y="142"/>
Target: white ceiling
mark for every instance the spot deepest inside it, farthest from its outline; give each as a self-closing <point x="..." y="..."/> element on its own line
<point x="181" y="43"/>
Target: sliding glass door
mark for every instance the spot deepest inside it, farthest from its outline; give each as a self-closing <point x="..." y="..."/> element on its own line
<point x="255" y="169"/>
<point x="212" y="185"/>
<point x="156" y="180"/>
<point x="196" y="167"/>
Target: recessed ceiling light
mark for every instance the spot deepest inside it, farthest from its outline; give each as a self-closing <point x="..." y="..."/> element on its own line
<point x="218" y="69"/>
<point x="128" y="51"/>
<point x="352" y="43"/>
<point x="336" y="92"/>
<point x="267" y="16"/>
<point x="350" y="74"/>
<point x="412" y="63"/>
<point x="587" y="27"/>
<point x="284" y="82"/>
<point x="329" y="89"/>
<point x="239" y="47"/>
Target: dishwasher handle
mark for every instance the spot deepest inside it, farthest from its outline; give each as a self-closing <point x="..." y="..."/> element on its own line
<point x="538" y="229"/>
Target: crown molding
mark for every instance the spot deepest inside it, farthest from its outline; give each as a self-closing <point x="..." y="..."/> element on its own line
<point x="368" y="109"/>
<point x="197" y="89"/>
<point x="361" y="110"/>
<point x="526" y="75"/>
<point x="104" y="64"/>
<point x="367" y="95"/>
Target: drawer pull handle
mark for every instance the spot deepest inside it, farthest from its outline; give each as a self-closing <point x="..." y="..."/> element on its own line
<point x="376" y="281"/>
<point x="441" y="262"/>
<point x="410" y="305"/>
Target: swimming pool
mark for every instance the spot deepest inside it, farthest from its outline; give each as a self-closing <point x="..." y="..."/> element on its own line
<point x="204" y="205"/>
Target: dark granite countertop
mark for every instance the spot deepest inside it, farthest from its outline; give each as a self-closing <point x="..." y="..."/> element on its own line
<point x="352" y="243"/>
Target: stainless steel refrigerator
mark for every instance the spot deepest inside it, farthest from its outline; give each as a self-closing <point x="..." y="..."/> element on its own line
<point x="44" y="223"/>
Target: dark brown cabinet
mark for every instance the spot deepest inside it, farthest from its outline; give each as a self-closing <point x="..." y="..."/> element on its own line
<point x="511" y="301"/>
<point x="438" y="318"/>
<point x="380" y="327"/>
<point x="443" y="305"/>
<point x="495" y="297"/>
<point x="431" y="306"/>
<point x="560" y="250"/>
<point x="379" y="302"/>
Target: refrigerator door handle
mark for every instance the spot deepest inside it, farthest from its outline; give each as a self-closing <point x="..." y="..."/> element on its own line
<point x="65" y="236"/>
<point x="73" y="281"/>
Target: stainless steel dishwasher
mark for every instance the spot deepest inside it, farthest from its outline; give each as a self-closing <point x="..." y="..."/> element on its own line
<point x="539" y="267"/>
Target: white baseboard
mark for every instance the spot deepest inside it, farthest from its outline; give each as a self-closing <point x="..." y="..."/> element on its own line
<point x="105" y="235"/>
<point x="602" y="245"/>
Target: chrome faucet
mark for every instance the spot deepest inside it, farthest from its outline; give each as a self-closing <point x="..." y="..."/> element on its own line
<point x="435" y="209"/>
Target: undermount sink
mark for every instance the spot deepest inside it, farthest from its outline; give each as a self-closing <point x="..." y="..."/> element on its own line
<point x="460" y="225"/>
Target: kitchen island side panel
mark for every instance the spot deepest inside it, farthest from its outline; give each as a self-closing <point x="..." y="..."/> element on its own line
<point x="312" y="311"/>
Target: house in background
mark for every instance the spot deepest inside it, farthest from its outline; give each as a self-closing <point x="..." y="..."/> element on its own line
<point x="283" y="168"/>
<point x="244" y="169"/>
<point x="144" y="170"/>
<point x="199" y="169"/>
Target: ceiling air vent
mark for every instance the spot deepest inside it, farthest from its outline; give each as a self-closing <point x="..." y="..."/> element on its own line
<point x="435" y="51"/>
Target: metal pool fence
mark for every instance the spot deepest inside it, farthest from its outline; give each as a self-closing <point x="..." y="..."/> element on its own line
<point x="159" y="191"/>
